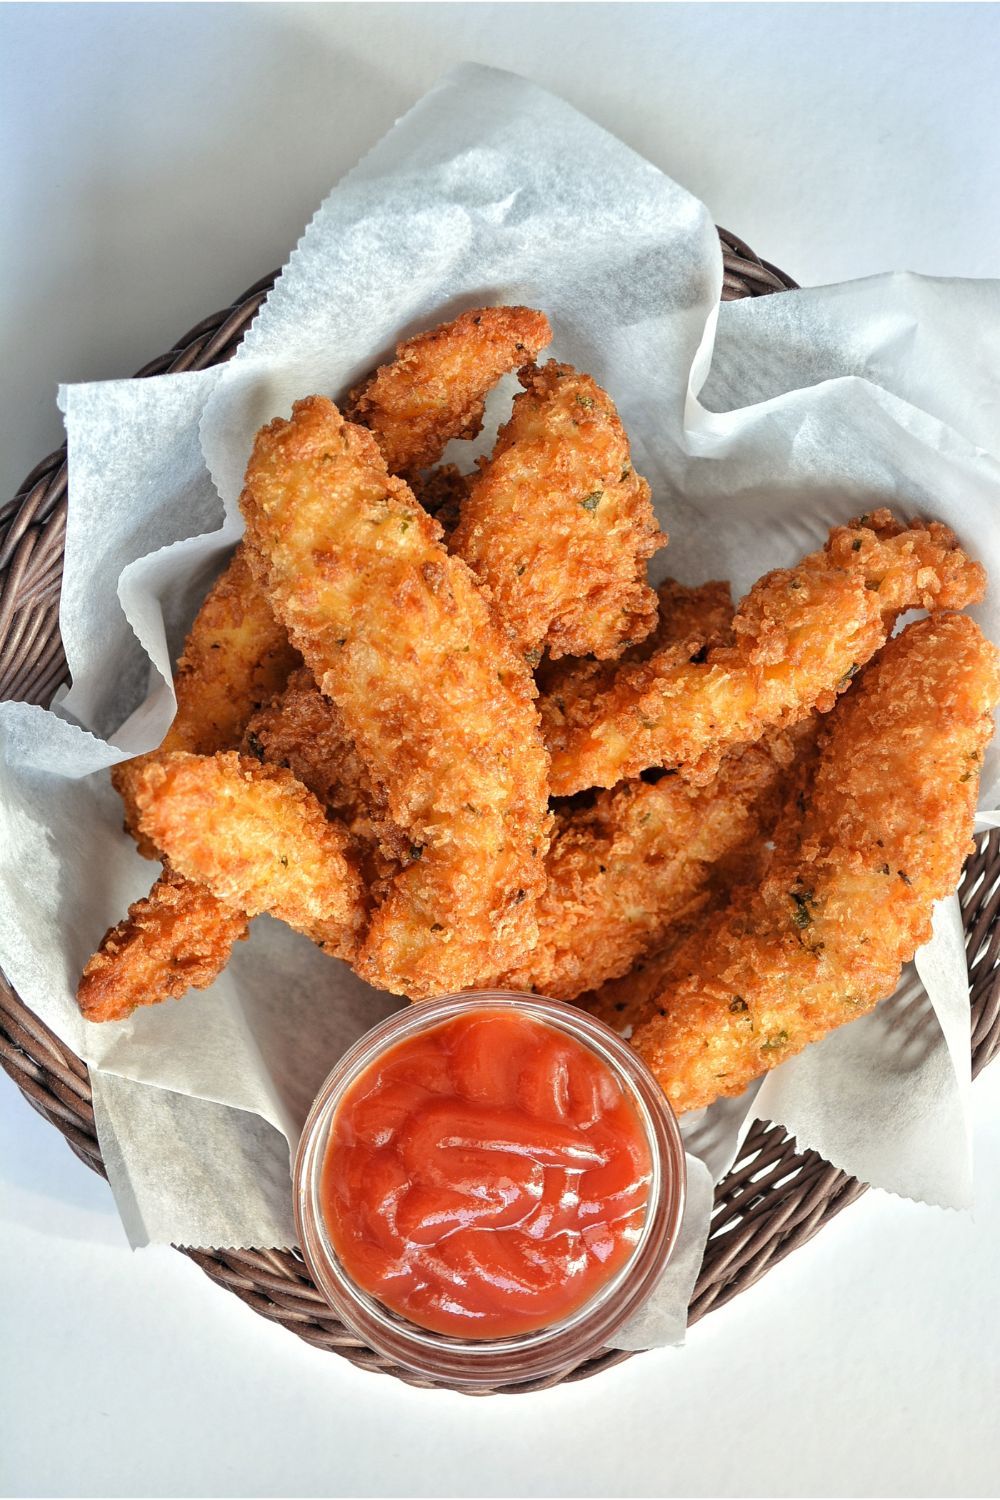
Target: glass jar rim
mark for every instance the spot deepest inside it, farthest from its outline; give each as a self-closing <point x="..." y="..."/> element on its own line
<point x="543" y="1352"/>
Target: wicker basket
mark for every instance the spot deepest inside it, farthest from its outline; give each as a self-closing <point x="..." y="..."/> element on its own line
<point x="772" y="1201"/>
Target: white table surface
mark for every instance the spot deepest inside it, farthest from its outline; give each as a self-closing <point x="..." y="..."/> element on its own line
<point x="155" y="162"/>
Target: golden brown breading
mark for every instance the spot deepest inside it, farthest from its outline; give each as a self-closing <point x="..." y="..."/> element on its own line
<point x="800" y="635"/>
<point x="623" y="1002"/>
<point x="703" y="613"/>
<point x="306" y="733"/>
<point x="622" y="870"/>
<point x="257" y="839"/>
<point x="559" y="526"/>
<point x="847" y="902"/>
<point x="178" y="938"/>
<point x="181" y="935"/>
<point x="621" y="873"/>
<point x="397" y="633"/>
<point x="236" y="657"/>
<point x="435" y="388"/>
<point x="690" y="621"/>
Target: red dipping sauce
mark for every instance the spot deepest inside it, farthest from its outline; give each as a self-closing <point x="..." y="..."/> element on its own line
<point x="486" y="1176"/>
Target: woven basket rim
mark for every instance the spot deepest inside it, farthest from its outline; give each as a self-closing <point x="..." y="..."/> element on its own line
<point x="773" y="1199"/>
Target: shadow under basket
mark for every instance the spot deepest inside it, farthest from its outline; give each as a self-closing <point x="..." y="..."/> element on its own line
<point x="772" y="1201"/>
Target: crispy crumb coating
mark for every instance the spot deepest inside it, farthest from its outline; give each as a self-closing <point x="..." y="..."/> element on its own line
<point x="559" y="526"/>
<point x="257" y="839"/>
<point x="848" y="899"/>
<point x="702" y="613"/>
<point x="236" y="657"/>
<point x="625" y="867"/>
<point x="622" y="1003"/>
<point x="180" y="935"/>
<point x="440" y="708"/>
<point x="622" y="872"/>
<point x="800" y="635"/>
<point x="690" y="621"/>
<point x="435" y="388"/>
<point x="176" y="939"/>
<point x="306" y="733"/>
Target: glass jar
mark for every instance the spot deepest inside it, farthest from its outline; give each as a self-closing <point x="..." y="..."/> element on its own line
<point x="468" y="1362"/>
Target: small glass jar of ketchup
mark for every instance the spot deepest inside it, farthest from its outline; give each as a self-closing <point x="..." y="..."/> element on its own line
<point x="488" y="1187"/>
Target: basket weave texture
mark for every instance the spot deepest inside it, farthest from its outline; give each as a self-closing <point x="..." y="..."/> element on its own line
<point x="774" y="1198"/>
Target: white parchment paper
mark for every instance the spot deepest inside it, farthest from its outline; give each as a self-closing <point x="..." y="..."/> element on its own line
<point x="758" y="424"/>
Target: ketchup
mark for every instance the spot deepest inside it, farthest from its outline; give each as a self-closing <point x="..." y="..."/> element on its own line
<point x="485" y="1177"/>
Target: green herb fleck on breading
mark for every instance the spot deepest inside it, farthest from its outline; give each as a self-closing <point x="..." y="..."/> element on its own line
<point x="773" y="1043"/>
<point x="801" y="915"/>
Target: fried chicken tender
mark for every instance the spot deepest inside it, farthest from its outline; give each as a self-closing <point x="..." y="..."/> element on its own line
<point x="559" y="525"/>
<point x="236" y="657"/>
<point x="440" y="708"/>
<point x="435" y="388"/>
<point x="691" y="621"/>
<point x="623" y="869"/>
<point x="849" y="895"/>
<point x="177" y="938"/>
<point x="621" y="873"/>
<point x="306" y="733"/>
<point x="624" y="1002"/>
<point x="180" y="936"/>
<point x="257" y="839"/>
<point x="800" y="635"/>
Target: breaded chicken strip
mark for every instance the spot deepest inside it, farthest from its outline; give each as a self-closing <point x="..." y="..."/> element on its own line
<point x="847" y="901"/>
<point x="236" y="657"/>
<point x="623" y="869"/>
<point x="624" y="1002"/>
<point x="690" y="622"/>
<point x="435" y="388"/>
<point x="800" y="635"/>
<point x="306" y="733"/>
<point x="440" y="708"/>
<point x="257" y="839"/>
<point x="621" y="873"/>
<point x="177" y="938"/>
<point x="559" y="526"/>
<point x="180" y="936"/>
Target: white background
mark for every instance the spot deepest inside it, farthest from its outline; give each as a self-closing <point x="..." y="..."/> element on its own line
<point x="154" y="161"/>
